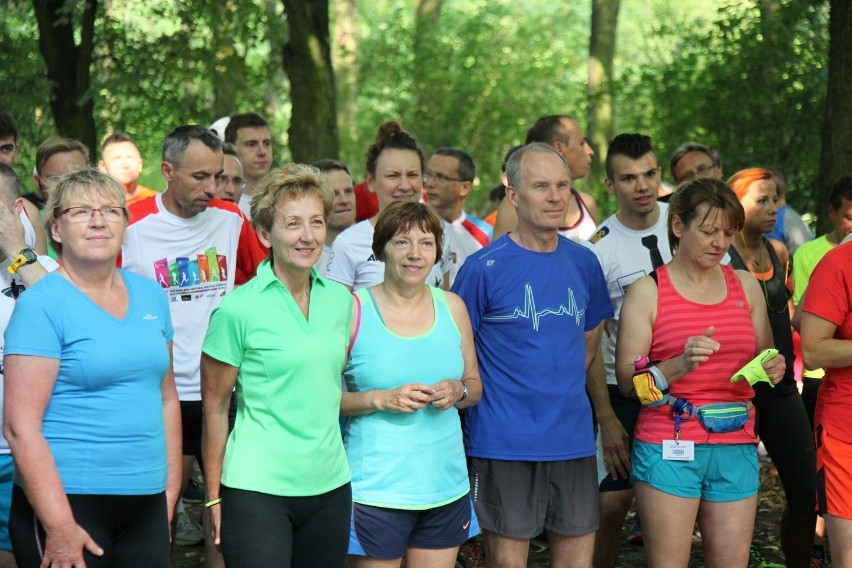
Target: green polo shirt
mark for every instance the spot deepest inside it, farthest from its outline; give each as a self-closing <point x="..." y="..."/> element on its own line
<point x="286" y="440"/>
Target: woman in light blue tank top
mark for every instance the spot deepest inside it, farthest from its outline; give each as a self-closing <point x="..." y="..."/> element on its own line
<point x="412" y="364"/>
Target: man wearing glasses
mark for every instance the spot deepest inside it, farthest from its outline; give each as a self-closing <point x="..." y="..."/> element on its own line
<point x="231" y="181"/>
<point x="693" y="160"/>
<point x="448" y="180"/>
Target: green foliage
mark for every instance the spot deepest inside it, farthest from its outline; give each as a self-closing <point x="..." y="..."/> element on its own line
<point x="488" y="70"/>
<point x="747" y="82"/>
<point x="157" y="64"/>
<point x="747" y="77"/>
<point x="25" y="86"/>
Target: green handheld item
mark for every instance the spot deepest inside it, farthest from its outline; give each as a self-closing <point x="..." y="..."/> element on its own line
<point x="754" y="372"/>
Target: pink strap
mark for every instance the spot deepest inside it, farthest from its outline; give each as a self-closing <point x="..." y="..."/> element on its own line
<point x="357" y="324"/>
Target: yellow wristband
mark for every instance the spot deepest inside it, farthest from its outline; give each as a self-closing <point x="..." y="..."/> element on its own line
<point x="212" y="502"/>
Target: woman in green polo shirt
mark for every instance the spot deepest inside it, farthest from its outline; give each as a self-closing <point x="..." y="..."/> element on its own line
<point x="281" y="339"/>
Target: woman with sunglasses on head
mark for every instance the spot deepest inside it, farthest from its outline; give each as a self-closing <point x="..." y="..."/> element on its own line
<point x="91" y="410"/>
<point x="783" y="423"/>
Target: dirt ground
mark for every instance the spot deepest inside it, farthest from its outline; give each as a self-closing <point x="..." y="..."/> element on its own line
<point x="765" y="541"/>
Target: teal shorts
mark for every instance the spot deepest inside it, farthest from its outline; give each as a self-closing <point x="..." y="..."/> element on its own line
<point x="720" y="472"/>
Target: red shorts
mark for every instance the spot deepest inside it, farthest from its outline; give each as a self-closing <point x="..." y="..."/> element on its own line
<point x="834" y="475"/>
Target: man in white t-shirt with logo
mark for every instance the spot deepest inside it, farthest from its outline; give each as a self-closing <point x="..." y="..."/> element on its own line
<point x="197" y="248"/>
<point x="448" y="180"/>
<point x="629" y="245"/>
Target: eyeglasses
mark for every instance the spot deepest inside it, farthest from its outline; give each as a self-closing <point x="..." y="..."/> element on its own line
<point x="110" y="213"/>
<point x="700" y="171"/>
<point x="7" y="148"/>
<point x="225" y="180"/>
<point x="440" y="178"/>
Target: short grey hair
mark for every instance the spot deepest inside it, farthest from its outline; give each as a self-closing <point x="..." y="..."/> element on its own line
<point x="514" y="163"/>
<point x="179" y="139"/>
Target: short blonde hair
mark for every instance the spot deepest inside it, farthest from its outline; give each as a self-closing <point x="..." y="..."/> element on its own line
<point x="292" y="181"/>
<point x="87" y="181"/>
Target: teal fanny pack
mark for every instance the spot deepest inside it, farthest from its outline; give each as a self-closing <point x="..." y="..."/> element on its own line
<point x="723" y="417"/>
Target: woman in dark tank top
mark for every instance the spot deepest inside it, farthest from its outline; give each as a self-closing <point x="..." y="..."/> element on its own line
<point x="783" y="423"/>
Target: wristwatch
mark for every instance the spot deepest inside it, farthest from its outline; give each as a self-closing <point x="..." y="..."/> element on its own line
<point x="464" y="392"/>
<point x="26" y="256"/>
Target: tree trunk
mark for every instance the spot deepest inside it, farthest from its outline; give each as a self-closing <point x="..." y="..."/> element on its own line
<point x="68" y="66"/>
<point x="601" y="55"/>
<point x="836" y="155"/>
<point x="427" y="15"/>
<point x="307" y="61"/>
<point x="344" y="50"/>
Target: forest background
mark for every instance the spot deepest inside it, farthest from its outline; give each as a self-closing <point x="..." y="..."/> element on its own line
<point x="764" y="81"/>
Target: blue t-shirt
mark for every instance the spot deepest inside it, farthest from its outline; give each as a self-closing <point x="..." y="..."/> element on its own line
<point x="104" y="422"/>
<point x="530" y="312"/>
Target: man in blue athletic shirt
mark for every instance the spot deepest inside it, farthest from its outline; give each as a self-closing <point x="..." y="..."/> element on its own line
<point x="537" y="303"/>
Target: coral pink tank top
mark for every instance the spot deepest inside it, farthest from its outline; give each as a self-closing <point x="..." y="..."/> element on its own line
<point x="677" y="320"/>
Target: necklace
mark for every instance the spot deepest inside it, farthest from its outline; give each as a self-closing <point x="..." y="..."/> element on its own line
<point x="757" y="265"/>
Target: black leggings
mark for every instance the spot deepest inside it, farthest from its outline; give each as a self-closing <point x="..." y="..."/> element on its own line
<point x="133" y="530"/>
<point x="785" y="430"/>
<point x="259" y="529"/>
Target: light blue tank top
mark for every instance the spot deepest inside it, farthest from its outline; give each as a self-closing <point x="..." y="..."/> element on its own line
<point x="405" y="460"/>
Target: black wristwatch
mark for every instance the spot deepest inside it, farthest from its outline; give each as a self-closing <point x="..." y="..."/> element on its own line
<point x="26" y="256"/>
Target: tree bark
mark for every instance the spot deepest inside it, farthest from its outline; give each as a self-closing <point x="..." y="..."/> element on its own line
<point x="68" y="66"/>
<point x="836" y="154"/>
<point x="307" y="61"/>
<point x="344" y="49"/>
<point x="426" y="18"/>
<point x="600" y="112"/>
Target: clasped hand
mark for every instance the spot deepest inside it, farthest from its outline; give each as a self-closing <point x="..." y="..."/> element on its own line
<point x="412" y="397"/>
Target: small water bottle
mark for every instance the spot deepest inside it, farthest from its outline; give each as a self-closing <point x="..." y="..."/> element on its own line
<point x="641" y="362"/>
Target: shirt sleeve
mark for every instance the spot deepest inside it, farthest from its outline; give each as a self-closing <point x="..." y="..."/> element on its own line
<point x="341" y="266"/>
<point x="166" y="313"/>
<point x="801" y="266"/>
<point x="796" y="231"/>
<point x="829" y="288"/>
<point x="470" y="288"/>
<point x="225" y="338"/>
<point x="33" y="329"/>
<point x="446" y="252"/>
<point x="600" y="304"/>
<point x="250" y="253"/>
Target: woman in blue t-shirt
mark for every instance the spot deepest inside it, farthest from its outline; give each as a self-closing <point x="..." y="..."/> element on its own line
<point x="412" y="364"/>
<point x="91" y="411"/>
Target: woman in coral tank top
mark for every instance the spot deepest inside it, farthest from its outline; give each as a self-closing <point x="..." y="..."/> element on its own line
<point x="699" y="323"/>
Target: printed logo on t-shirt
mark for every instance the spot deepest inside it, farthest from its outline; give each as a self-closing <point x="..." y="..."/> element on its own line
<point x="532" y="312"/>
<point x="186" y="277"/>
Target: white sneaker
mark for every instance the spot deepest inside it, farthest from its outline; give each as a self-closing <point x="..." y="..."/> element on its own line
<point x="187" y="533"/>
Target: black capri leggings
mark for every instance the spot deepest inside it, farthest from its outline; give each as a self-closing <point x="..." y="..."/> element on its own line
<point x="783" y="425"/>
<point x="259" y="529"/>
<point x="133" y="530"/>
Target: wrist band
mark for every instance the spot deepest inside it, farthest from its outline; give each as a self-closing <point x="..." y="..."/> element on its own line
<point x="212" y="502"/>
<point x="651" y="386"/>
